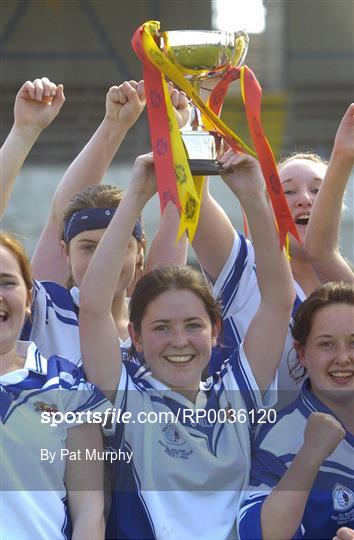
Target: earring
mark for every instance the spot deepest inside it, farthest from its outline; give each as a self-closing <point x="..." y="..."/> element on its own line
<point x="28" y="311"/>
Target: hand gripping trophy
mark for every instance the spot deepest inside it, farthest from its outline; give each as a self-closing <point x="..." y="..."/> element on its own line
<point x="188" y="58"/>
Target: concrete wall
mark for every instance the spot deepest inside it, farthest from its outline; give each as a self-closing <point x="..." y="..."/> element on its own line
<point x="29" y="204"/>
<point x="82" y="42"/>
<point x="307" y="49"/>
<point x="319" y="43"/>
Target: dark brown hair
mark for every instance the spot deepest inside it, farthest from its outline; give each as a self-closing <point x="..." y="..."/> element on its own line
<point x="165" y="278"/>
<point x="329" y="293"/>
<point x="9" y="242"/>
<point x="98" y="196"/>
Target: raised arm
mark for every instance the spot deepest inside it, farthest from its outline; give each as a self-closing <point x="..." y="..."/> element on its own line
<point x="321" y="242"/>
<point x="124" y="105"/>
<point x="98" y="334"/>
<point x="216" y="230"/>
<point x="322" y="435"/>
<point x="164" y="248"/>
<point x="37" y="104"/>
<point x="266" y="333"/>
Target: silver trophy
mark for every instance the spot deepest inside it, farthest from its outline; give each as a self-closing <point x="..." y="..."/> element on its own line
<point x="203" y="55"/>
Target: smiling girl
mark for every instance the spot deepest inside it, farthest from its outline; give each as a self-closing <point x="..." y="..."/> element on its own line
<point x="228" y="258"/>
<point x="62" y="499"/>
<point x="307" y="457"/>
<point x="182" y="466"/>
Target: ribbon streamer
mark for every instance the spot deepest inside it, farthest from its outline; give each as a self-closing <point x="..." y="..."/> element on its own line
<point x="170" y="157"/>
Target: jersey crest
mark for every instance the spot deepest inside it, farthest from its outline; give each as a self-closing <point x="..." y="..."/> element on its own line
<point x="172" y="435"/>
<point x="343" y="498"/>
<point x="41" y="406"/>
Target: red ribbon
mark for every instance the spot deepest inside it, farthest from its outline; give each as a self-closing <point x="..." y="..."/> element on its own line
<point x="252" y="96"/>
<point x="158" y="124"/>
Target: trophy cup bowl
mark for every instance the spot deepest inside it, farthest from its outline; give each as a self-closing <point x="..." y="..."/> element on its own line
<point x="203" y="55"/>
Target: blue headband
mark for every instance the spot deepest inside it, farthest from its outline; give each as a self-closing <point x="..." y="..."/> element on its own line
<point x="94" y="218"/>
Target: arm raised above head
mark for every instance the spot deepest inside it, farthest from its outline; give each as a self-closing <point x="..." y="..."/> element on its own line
<point x="321" y="242"/>
<point x="37" y="104"/>
<point x="164" y="248"/>
<point x="214" y="237"/>
<point x="266" y="333"/>
<point x="98" y="333"/>
<point x="124" y="104"/>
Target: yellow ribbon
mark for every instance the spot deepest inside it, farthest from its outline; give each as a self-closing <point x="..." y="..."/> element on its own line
<point x="189" y="188"/>
<point x="187" y="193"/>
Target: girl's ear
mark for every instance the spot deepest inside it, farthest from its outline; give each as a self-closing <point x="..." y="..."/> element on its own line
<point x="215" y="333"/>
<point x="139" y="267"/>
<point x="300" y="351"/>
<point x="65" y="251"/>
<point x="140" y="256"/>
<point x="140" y="260"/>
<point x="28" y="303"/>
<point x="135" y="337"/>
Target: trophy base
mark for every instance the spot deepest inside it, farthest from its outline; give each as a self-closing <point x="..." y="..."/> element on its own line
<point x="204" y="167"/>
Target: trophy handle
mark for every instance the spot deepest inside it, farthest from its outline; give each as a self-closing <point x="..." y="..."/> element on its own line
<point x="240" y="35"/>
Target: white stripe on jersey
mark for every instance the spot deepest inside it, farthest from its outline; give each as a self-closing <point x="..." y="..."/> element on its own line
<point x="178" y="467"/>
<point x="331" y="500"/>
<point x="238" y="290"/>
<point x="33" y="492"/>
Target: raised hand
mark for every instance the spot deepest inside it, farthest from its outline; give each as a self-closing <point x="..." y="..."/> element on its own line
<point x="344" y="140"/>
<point x="125" y="103"/>
<point x="143" y="180"/>
<point x="322" y="435"/>
<point x="37" y="104"/>
<point x="180" y="104"/>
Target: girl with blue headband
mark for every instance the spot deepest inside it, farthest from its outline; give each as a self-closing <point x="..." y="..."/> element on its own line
<point x="54" y="324"/>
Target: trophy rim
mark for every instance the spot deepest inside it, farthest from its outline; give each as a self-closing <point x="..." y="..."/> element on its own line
<point x="173" y="40"/>
<point x="205" y="31"/>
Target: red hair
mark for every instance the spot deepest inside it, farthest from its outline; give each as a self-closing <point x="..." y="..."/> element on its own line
<point x="18" y="251"/>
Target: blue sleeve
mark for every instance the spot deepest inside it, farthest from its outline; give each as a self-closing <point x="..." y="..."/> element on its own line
<point x="77" y="394"/>
<point x="266" y="471"/>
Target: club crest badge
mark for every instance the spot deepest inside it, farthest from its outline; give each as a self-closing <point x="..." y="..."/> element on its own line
<point x="41" y="406"/>
<point x="172" y="435"/>
<point x="343" y="498"/>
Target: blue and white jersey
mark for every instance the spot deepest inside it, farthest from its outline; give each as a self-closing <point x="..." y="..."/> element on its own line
<point x="187" y="474"/>
<point x="54" y="326"/>
<point x="33" y="493"/>
<point x="331" y="501"/>
<point x="237" y="288"/>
